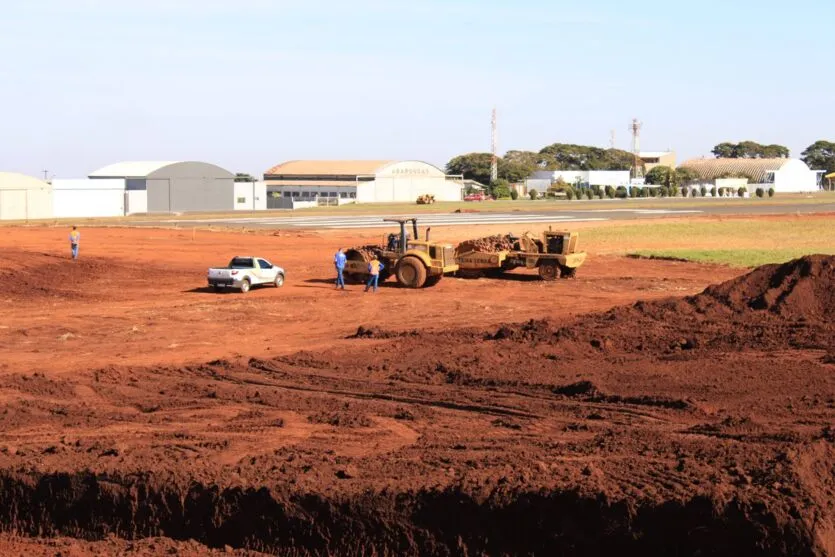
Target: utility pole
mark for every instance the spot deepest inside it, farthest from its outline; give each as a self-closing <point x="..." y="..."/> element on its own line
<point x="637" y="167"/>
<point x="494" y="161"/>
<point x="45" y="172"/>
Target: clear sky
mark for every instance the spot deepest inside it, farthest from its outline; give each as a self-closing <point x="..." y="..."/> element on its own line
<point x="250" y="83"/>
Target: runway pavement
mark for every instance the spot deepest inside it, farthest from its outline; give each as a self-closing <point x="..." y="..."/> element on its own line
<point x="446" y="219"/>
<point x="282" y="219"/>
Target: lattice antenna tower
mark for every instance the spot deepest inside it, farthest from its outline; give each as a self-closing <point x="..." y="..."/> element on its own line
<point x="611" y="139"/>
<point x="494" y="142"/>
<point x="637" y="167"/>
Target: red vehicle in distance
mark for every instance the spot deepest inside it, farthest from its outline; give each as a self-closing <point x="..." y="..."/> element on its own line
<point x="477" y="197"/>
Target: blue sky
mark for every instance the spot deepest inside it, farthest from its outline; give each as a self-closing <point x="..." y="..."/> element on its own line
<point x="249" y="83"/>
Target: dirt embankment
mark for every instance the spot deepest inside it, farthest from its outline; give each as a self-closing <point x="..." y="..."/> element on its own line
<point x="698" y="425"/>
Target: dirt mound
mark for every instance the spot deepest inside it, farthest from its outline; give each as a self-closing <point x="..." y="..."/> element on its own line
<point x="758" y="310"/>
<point x="379" y="333"/>
<point x="51" y="276"/>
<point x="488" y="244"/>
<point x="800" y="289"/>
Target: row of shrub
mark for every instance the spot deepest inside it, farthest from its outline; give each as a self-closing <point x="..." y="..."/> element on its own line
<point x="621" y="192"/>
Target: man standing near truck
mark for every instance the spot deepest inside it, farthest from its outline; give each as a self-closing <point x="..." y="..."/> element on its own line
<point x="75" y="238"/>
<point x="374" y="268"/>
<point x="339" y="263"/>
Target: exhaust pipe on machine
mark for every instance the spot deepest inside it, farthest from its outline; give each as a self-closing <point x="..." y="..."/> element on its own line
<point x="427" y="233"/>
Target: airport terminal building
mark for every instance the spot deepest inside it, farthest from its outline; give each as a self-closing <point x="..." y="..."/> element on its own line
<point x="358" y="181"/>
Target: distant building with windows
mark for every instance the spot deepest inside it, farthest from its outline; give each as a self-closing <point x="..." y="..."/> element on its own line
<point x="357" y="181"/>
<point x="541" y="180"/>
<point x="652" y="159"/>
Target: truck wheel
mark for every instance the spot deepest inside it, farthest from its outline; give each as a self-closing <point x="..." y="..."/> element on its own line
<point x="549" y="271"/>
<point x="245" y="286"/>
<point x="411" y="273"/>
<point x="279" y="280"/>
<point x="432" y="281"/>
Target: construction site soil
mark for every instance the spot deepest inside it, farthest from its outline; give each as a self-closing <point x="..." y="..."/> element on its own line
<point x="140" y="415"/>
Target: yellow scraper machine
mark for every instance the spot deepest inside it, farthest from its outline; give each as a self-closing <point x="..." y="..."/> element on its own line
<point x="415" y="263"/>
<point x="553" y="253"/>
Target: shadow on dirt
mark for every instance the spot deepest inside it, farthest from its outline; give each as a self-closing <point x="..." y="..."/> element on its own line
<point x="223" y="291"/>
<point x="391" y="283"/>
<point x="509" y="277"/>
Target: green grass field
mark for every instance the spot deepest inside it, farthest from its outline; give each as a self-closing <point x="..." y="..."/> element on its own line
<point x="735" y="242"/>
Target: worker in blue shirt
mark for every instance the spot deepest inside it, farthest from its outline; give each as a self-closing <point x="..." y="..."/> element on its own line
<point x="339" y="262"/>
<point x="374" y="268"/>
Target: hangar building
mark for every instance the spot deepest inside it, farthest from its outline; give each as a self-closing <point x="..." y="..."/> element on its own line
<point x="89" y="198"/>
<point x="171" y="187"/>
<point x="360" y="181"/>
<point x="23" y="197"/>
<point x="784" y="175"/>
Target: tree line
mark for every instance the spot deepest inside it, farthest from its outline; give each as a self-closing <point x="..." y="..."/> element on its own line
<point x="516" y="166"/>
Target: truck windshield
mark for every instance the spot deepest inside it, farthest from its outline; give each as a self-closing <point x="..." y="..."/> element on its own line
<point x="241" y="263"/>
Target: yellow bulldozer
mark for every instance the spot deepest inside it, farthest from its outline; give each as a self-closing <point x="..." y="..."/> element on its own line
<point x="553" y="253"/>
<point x="414" y="262"/>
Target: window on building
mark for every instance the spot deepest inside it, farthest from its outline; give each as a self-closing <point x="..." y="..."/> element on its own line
<point x="287" y="194"/>
<point x="332" y="194"/>
<point x="353" y="195"/>
<point x="305" y="194"/>
<point x="295" y="194"/>
<point x="343" y="195"/>
<point x="242" y="200"/>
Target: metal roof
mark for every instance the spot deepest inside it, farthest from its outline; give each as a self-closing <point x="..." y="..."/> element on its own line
<point x="655" y="154"/>
<point x="756" y="169"/>
<point x="327" y="168"/>
<point x="132" y="169"/>
<point x="312" y="183"/>
<point x="15" y="181"/>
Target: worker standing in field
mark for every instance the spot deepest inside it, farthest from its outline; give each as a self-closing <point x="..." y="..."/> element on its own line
<point x="75" y="238"/>
<point x="339" y="263"/>
<point x="374" y="268"/>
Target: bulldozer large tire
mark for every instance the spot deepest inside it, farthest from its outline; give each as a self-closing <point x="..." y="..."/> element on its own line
<point x="432" y="281"/>
<point x="411" y="273"/>
<point x="549" y="271"/>
<point x="568" y="272"/>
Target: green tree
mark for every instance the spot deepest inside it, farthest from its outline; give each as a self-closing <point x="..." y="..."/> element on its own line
<point x="473" y="166"/>
<point x="514" y="195"/>
<point x="533" y="194"/>
<point x="658" y="175"/>
<point x="749" y="150"/>
<point x="566" y="156"/>
<point x="243" y="177"/>
<point x="686" y="175"/>
<point x="477" y="166"/>
<point x="820" y="155"/>
<point x="500" y="189"/>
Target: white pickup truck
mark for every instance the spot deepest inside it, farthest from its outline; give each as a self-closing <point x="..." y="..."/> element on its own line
<point x="244" y="272"/>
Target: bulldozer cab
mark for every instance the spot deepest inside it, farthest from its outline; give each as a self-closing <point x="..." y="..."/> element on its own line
<point x="400" y="243"/>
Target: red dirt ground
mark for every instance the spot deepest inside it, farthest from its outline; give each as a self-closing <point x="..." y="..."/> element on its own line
<point x="136" y="405"/>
